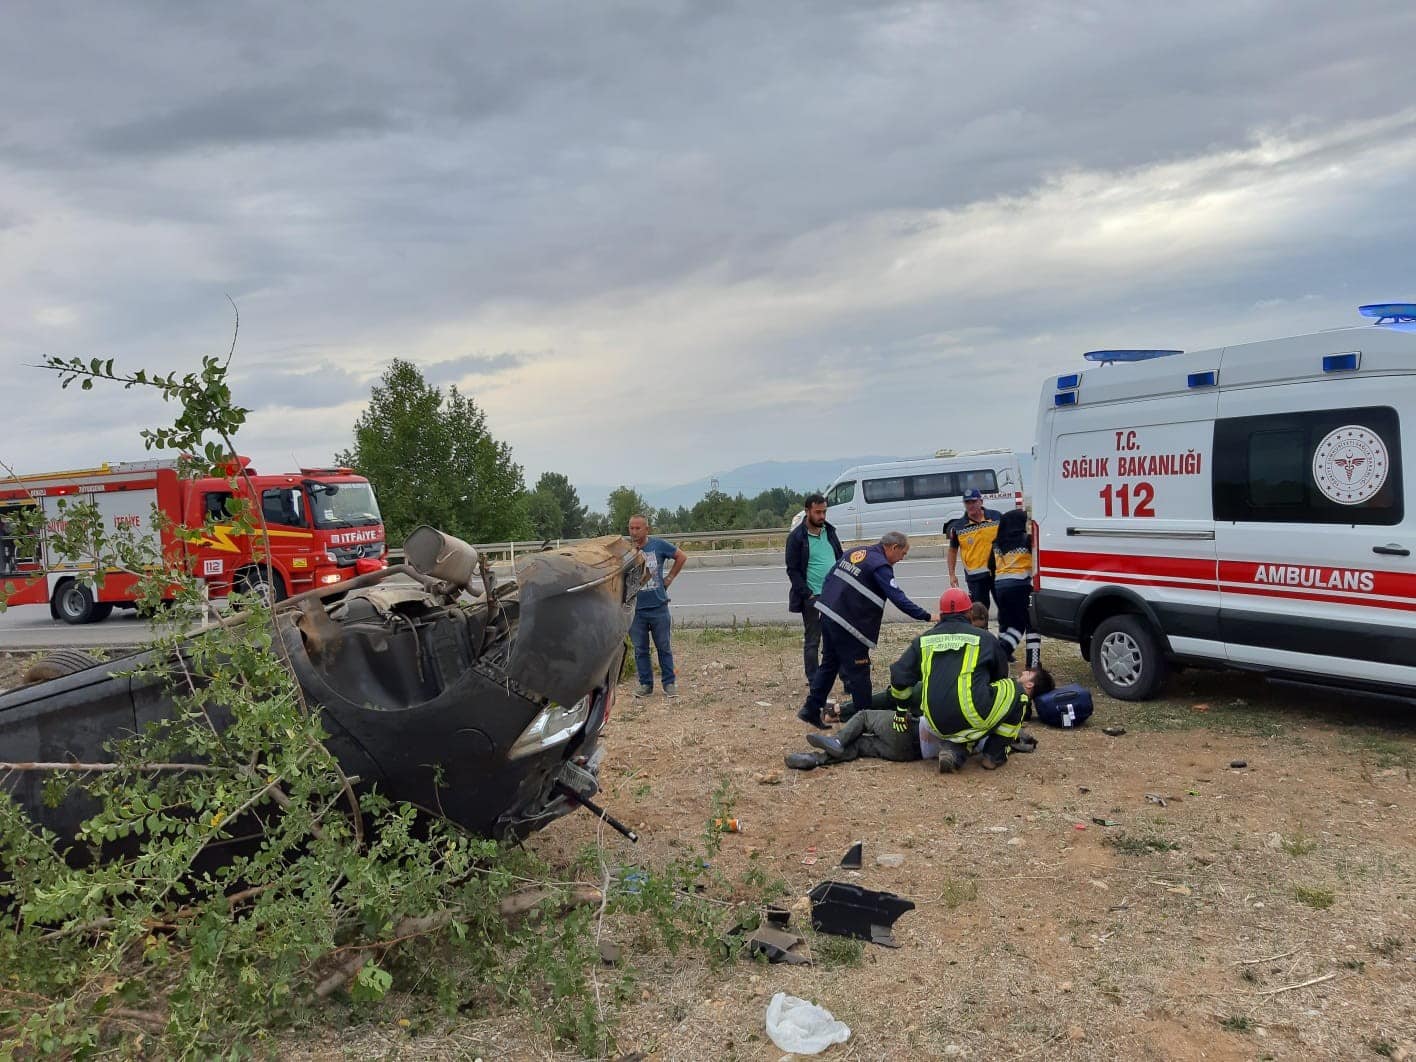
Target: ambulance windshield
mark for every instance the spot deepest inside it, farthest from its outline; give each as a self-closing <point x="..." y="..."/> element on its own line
<point x="343" y="504"/>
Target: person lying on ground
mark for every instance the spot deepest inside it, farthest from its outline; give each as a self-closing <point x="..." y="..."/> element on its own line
<point x="878" y="733"/>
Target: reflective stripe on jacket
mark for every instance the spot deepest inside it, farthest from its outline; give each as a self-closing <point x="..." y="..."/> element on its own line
<point x="966" y="692"/>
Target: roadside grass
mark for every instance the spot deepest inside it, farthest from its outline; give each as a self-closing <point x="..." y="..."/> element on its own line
<point x="1311" y="896"/>
<point x="1132" y="844"/>
<point x="760" y="635"/>
<point x="1235" y="702"/>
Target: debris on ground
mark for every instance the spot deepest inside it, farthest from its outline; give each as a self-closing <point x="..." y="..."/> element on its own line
<point x="1237" y="764"/>
<point x="803" y="1028"/>
<point x="1113" y="731"/>
<point x="854" y="856"/>
<point x="846" y="910"/>
<point x="889" y="859"/>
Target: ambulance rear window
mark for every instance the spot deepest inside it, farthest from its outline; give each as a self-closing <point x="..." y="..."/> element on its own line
<point x="1329" y="466"/>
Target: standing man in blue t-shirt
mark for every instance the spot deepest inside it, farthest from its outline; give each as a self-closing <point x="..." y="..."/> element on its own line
<point x="812" y="551"/>
<point x="651" y="610"/>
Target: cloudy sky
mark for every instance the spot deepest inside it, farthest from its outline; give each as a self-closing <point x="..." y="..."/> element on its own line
<point x="658" y="240"/>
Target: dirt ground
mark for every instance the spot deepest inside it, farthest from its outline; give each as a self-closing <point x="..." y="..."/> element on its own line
<point x="1181" y="932"/>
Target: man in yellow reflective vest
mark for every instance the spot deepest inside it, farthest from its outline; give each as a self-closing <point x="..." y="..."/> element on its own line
<point x="968" y="704"/>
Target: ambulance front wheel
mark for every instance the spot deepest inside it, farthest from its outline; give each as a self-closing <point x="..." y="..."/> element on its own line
<point x="1127" y="658"/>
<point x="73" y="602"/>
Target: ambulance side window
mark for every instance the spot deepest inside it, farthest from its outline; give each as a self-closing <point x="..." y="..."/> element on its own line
<point x="1329" y="466"/>
<point x="841" y="493"/>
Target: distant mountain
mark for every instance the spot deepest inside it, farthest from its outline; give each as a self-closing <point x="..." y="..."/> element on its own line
<point x="747" y="479"/>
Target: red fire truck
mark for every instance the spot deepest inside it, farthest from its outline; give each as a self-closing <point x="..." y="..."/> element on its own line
<point x="324" y="526"/>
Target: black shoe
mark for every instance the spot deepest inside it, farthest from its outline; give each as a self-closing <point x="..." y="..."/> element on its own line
<point x="827" y="743"/>
<point x="951" y="758"/>
<point x="1024" y="742"/>
<point x="803" y="761"/>
<point x="807" y="714"/>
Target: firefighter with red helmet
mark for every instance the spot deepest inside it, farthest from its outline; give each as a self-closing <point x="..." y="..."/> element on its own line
<point x="967" y="701"/>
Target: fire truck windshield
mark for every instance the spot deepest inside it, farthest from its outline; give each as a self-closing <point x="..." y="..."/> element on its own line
<point x="343" y="504"/>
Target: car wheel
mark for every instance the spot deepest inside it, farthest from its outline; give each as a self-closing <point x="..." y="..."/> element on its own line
<point x="73" y="602"/>
<point x="254" y="581"/>
<point x="1127" y="659"/>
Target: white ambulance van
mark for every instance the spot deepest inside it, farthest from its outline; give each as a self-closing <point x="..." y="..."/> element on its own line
<point x="920" y="496"/>
<point x="1240" y="507"/>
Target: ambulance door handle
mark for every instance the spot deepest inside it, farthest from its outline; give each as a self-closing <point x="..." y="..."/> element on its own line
<point x="1391" y="549"/>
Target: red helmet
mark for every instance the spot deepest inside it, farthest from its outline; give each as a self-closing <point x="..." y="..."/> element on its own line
<point x="954" y="601"/>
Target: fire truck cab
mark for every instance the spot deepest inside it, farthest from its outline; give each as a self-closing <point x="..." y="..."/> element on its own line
<point x="1241" y="507"/>
<point x="323" y="526"/>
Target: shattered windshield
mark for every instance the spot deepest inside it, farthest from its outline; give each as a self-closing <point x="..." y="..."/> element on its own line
<point x="343" y="504"/>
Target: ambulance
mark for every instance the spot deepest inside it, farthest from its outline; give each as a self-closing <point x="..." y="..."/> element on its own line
<point x="1241" y="507"/>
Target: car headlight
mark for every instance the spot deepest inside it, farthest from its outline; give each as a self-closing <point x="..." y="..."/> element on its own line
<point x="552" y="726"/>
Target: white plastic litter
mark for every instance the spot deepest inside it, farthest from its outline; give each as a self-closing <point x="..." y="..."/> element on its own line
<point x="803" y="1028"/>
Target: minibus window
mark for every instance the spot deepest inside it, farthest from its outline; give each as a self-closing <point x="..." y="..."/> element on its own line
<point x="938" y="485"/>
<point x="884" y="490"/>
<point x="841" y="493"/>
<point x="982" y="480"/>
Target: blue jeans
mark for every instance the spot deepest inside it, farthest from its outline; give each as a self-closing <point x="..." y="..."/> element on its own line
<point x="652" y="622"/>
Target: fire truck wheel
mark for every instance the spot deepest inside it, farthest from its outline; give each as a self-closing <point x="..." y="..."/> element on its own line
<point x="1127" y="658"/>
<point x="253" y="581"/>
<point x="73" y="602"/>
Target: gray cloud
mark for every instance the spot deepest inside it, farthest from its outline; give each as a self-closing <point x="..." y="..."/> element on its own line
<point x="767" y="202"/>
<point x="260" y="115"/>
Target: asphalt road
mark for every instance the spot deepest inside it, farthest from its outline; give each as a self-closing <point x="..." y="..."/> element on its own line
<point x="701" y="597"/>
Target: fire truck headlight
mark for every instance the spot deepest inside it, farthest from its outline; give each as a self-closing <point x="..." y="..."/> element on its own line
<point x="329" y="577"/>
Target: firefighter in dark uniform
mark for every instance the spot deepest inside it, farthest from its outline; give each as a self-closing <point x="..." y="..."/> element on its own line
<point x="968" y="704"/>
<point x="851" y="604"/>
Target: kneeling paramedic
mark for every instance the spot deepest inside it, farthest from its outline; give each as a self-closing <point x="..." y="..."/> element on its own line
<point x="967" y="701"/>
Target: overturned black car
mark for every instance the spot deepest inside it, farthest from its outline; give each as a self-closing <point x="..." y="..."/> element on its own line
<point x="483" y="703"/>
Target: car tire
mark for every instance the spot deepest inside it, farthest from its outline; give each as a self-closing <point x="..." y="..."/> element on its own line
<point x="57" y="664"/>
<point x="74" y="603"/>
<point x="254" y="581"/>
<point x="1127" y="658"/>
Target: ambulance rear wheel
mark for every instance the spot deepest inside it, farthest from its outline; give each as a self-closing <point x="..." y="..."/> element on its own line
<point x="1127" y="659"/>
<point x="74" y="602"/>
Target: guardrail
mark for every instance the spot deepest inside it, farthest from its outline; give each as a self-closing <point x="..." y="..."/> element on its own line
<point x="689" y="541"/>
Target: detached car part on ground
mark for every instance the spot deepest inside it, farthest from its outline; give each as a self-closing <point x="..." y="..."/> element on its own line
<point x="487" y="711"/>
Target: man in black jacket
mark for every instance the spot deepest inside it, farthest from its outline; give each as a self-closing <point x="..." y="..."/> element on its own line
<point x="812" y="551"/>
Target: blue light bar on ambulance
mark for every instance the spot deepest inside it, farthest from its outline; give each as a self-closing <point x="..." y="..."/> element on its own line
<point x="1065" y="398"/>
<point x="1347" y="362"/>
<point x="1107" y="357"/>
<point x="1070" y="382"/>
<point x="1396" y="312"/>
<point x="1208" y="378"/>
